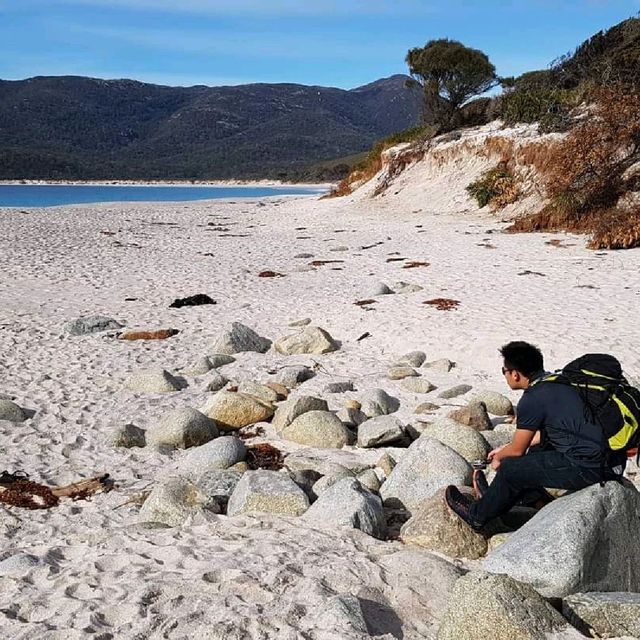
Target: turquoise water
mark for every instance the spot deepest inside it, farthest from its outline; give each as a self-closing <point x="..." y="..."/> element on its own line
<point x="36" y="195"/>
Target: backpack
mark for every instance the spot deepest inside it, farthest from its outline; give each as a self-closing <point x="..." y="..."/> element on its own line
<point x="613" y="403"/>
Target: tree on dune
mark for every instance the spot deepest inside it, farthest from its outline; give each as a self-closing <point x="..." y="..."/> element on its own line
<point x="450" y="74"/>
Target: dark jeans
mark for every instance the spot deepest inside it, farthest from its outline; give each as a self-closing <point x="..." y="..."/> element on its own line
<point x="518" y="477"/>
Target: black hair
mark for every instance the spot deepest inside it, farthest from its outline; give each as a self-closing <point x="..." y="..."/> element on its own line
<point x="523" y="357"/>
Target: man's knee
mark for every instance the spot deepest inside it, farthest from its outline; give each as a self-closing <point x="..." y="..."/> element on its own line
<point x="508" y="467"/>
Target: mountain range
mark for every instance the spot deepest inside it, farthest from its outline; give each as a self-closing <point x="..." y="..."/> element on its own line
<point x="73" y="127"/>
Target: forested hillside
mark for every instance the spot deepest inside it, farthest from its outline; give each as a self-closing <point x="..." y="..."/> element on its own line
<point x="84" y="128"/>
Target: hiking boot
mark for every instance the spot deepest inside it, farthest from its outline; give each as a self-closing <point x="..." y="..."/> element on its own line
<point x="460" y="504"/>
<point x="536" y="498"/>
<point x="480" y="484"/>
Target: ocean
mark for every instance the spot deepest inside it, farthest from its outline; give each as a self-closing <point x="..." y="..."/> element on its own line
<point x="36" y="195"/>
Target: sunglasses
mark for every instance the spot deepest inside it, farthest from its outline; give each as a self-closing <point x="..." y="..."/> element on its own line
<point x="504" y="370"/>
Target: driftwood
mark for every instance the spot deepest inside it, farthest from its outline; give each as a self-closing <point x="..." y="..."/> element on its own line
<point x="19" y="491"/>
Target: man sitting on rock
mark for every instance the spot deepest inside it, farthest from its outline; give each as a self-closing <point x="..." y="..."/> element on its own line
<point x="555" y="445"/>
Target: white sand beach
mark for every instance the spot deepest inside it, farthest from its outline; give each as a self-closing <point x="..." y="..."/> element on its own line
<point x="88" y="568"/>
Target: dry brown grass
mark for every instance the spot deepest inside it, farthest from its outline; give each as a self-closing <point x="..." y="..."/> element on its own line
<point x="584" y="173"/>
<point x="356" y="177"/>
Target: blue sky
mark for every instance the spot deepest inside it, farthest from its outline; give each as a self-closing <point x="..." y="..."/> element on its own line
<point x="342" y="43"/>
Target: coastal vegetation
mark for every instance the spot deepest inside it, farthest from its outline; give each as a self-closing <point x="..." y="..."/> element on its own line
<point x="369" y="166"/>
<point x="497" y="187"/>
<point x="589" y="173"/>
<point x="449" y="74"/>
<point x="591" y="176"/>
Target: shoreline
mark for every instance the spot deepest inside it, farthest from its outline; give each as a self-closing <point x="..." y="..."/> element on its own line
<point x="169" y="183"/>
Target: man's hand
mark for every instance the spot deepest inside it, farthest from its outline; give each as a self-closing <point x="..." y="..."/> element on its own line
<point x="516" y="448"/>
<point x="495" y="457"/>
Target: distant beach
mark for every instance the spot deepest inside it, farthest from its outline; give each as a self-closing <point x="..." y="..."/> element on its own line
<point x="47" y="194"/>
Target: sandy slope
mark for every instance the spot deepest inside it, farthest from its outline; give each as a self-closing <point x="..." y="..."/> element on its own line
<point x="100" y="573"/>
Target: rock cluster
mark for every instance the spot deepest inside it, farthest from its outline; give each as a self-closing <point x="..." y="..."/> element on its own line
<point x="577" y="550"/>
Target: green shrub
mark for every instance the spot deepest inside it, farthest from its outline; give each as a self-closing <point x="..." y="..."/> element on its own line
<point x="496" y="186"/>
<point x="549" y="107"/>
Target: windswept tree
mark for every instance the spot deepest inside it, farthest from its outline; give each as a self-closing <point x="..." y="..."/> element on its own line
<point x="450" y="74"/>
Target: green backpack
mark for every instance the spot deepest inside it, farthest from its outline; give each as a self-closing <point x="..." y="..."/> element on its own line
<point x="614" y="404"/>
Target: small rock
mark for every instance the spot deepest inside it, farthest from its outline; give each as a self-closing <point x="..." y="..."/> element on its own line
<point x="300" y="323"/>
<point x="427" y="466"/>
<point x="434" y="527"/>
<point x="466" y="441"/>
<point x="352" y="404"/>
<point x="348" y="504"/>
<point x="405" y="287"/>
<point x="369" y="480"/>
<point x="474" y="415"/>
<point x="441" y="366"/>
<point x="339" y="387"/>
<point x="282" y="393"/>
<point x="351" y="417"/>
<point x="182" y="428"/>
<point x="318" y="429"/>
<point x="288" y="411"/>
<point x="309" y="340"/>
<point x="426" y="407"/>
<point x="11" y="411"/>
<point x="218" y="485"/>
<point x="483" y="605"/>
<point x="18" y="565"/>
<point x="264" y="491"/>
<point x="92" y="324"/>
<point x="259" y="391"/>
<point x="386" y="463"/>
<point x="496" y="403"/>
<point x="192" y="301"/>
<point x="215" y="382"/>
<point x="173" y="502"/>
<point x="416" y="429"/>
<point x="325" y="461"/>
<point x="377" y="402"/>
<point x="454" y="392"/>
<point x="497" y="438"/>
<point x="221" y="453"/>
<point x="237" y="338"/>
<point x="232" y="411"/>
<point x="201" y="366"/>
<point x="400" y="373"/>
<point x="305" y="479"/>
<point x="418" y="385"/>
<point x="604" y="615"/>
<point x="380" y="431"/>
<point x="293" y="376"/>
<point x="153" y="381"/>
<point x="411" y="359"/>
<point x="323" y="483"/>
<point x="381" y="289"/>
<point x="303" y="255"/>
<point x="218" y="360"/>
<point x="129" y="436"/>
